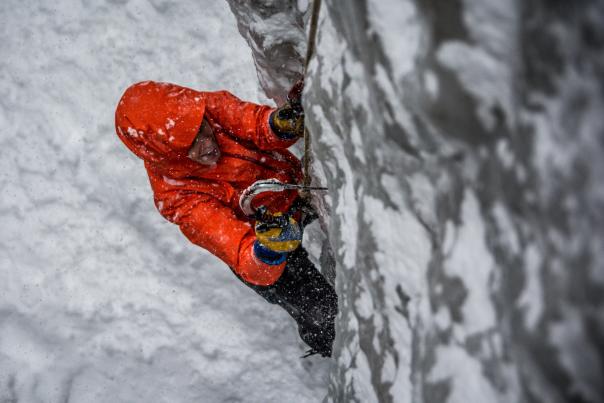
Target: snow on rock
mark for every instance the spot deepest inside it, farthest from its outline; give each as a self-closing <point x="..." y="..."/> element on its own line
<point x="274" y="31"/>
<point x="462" y="146"/>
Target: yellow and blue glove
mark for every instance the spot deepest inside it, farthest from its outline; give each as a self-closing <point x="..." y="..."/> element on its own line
<point x="276" y="236"/>
<point x="288" y="120"/>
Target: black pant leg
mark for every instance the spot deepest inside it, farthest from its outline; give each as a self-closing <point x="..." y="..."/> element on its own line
<point x="305" y="294"/>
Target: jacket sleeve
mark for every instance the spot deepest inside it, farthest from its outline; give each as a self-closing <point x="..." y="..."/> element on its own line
<point x="245" y="120"/>
<point x="214" y="226"/>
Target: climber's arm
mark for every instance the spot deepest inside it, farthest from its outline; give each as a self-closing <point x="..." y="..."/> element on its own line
<point x="214" y="226"/>
<point x="246" y="120"/>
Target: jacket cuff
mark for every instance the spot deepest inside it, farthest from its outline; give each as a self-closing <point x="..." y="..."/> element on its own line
<point x="268" y="256"/>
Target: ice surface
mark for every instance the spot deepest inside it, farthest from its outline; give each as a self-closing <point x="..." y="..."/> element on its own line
<point x="462" y="146"/>
<point x="476" y="205"/>
<point x="101" y="299"/>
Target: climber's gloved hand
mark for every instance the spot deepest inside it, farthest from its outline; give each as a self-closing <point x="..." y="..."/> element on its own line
<point x="276" y="235"/>
<point x="288" y="120"/>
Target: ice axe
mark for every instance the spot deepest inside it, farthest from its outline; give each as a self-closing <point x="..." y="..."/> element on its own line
<point x="267" y="185"/>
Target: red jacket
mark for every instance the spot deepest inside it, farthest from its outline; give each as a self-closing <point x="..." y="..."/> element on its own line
<point x="158" y="122"/>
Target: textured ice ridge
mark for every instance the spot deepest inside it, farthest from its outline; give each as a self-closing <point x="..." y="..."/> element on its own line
<point x="462" y="146"/>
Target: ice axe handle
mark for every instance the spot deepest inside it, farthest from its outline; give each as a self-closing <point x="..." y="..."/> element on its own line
<point x="304" y="188"/>
<point x="294" y="97"/>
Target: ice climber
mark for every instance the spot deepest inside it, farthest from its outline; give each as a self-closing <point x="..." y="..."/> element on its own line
<point x="201" y="150"/>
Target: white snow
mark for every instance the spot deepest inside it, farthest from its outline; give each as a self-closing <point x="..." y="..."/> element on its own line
<point x="431" y="83"/>
<point x="399" y="27"/>
<point x="467" y="381"/>
<point x="357" y="142"/>
<point x="403" y="253"/>
<point x="487" y="68"/>
<point x="507" y="232"/>
<point x="101" y="299"/>
<point x="532" y="298"/>
<point x="483" y="75"/>
<point x="173" y="182"/>
<point x="504" y="153"/>
<point x="471" y="261"/>
<point x="132" y="132"/>
<point x="346" y="200"/>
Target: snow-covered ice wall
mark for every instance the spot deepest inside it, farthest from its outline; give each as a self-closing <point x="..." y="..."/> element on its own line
<point x="462" y="143"/>
<point x="274" y="30"/>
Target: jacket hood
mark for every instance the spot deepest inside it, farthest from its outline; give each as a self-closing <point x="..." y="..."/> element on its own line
<point x="159" y="121"/>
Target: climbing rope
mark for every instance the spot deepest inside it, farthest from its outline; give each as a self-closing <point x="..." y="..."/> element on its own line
<point x="310" y="49"/>
<point x="312" y="33"/>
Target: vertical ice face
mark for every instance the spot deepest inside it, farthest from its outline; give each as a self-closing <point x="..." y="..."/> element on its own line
<point x="462" y="144"/>
<point x="275" y="32"/>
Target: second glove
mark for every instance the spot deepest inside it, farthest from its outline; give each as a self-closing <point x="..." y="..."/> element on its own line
<point x="276" y="235"/>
